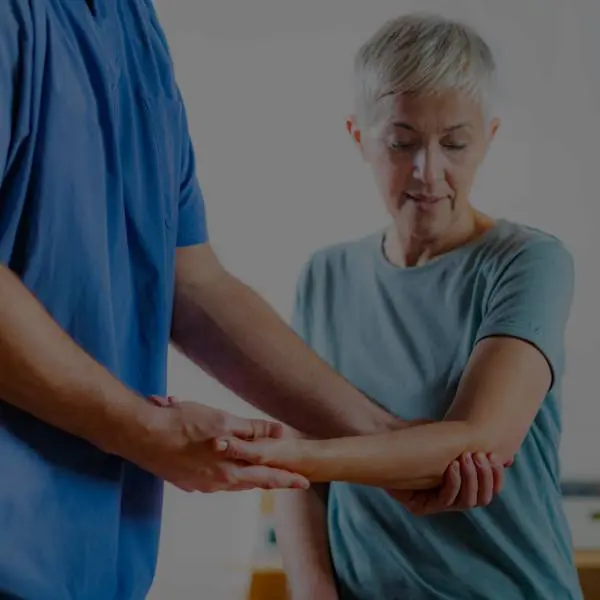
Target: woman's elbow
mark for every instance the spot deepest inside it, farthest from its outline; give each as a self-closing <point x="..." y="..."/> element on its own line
<point x="493" y="440"/>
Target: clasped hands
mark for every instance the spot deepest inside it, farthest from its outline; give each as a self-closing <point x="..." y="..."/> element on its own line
<point x="209" y="450"/>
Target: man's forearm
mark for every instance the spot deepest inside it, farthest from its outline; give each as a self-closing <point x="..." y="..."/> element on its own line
<point x="46" y="374"/>
<point x="234" y="335"/>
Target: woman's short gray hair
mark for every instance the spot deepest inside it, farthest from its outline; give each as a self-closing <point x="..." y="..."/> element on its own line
<point x="422" y="54"/>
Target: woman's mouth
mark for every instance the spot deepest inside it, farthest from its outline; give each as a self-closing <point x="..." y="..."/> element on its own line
<point x="423" y="202"/>
<point x="423" y="199"/>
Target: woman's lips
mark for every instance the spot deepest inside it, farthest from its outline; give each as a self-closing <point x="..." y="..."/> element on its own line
<point x="423" y="199"/>
<point x="425" y="204"/>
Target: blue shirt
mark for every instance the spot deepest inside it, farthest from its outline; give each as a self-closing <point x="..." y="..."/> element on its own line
<point x="98" y="188"/>
<point x="404" y="336"/>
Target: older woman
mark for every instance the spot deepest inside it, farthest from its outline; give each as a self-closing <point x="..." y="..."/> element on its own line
<point x="448" y="316"/>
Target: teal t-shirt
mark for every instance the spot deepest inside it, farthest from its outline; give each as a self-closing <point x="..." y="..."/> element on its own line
<point x="403" y="336"/>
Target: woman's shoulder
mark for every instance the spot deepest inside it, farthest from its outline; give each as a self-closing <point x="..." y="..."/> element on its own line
<point x="512" y="241"/>
<point x="522" y="248"/>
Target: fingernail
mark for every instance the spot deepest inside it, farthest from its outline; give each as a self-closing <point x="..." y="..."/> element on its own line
<point x="468" y="459"/>
<point x="222" y="445"/>
<point x="455" y="467"/>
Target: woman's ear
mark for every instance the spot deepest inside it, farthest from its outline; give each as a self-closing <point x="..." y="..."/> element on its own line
<point x="353" y="129"/>
<point x="494" y="126"/>
<point x="355" y="133"/>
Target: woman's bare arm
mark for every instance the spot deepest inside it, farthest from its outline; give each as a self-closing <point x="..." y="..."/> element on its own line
<point x="499" y="395"/>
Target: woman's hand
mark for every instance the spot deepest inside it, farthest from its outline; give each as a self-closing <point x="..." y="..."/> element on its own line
<point x="285" y="453"/>
<point x="469" y="482"/>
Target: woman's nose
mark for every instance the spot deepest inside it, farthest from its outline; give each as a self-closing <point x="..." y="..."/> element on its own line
<point x="428" y="166"/>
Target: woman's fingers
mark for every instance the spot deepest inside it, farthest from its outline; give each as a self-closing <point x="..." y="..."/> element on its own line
<point x="267" y="478"/>
<point x="263" y="452"/>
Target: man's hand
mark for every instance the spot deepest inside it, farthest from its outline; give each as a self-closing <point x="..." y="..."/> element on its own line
<point x="468" y="483"/>
<point x="180" y="449"/>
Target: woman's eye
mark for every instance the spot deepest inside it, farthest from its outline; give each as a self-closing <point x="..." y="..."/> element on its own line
<point x="401" y="145"/>
<point x="455" y="146"/>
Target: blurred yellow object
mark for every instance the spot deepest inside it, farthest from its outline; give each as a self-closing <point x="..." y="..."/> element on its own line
<point x="266" y="503"/>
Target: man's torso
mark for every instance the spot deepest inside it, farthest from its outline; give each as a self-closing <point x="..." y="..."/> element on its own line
<point x="89" y="222"/>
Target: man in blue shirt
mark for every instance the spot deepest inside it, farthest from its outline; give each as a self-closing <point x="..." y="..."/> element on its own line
<point x="105" y="259"/>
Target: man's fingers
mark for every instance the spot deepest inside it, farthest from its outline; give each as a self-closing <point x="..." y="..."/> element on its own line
<point x="241" y="450"/>
<point x="267" y="478"/>
<point x="441" y="499"/>
<point x="252" y="429"/>
<point x="485" y="478"/>
<point x="160" y="401"/>
<point x="451" y="486"/>
<point x="467" y="497"/>
<point x="497" y="473"/>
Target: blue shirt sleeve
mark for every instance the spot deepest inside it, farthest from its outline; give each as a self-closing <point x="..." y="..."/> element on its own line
<point x="13" y="40"/>
<point x="531" y="300"/>
<point x="192" y="225"/>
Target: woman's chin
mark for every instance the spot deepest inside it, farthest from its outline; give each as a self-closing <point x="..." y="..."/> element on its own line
<point x="426" y="228"/>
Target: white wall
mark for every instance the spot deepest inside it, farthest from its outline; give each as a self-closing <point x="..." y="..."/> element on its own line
<point x="266" y="86"/>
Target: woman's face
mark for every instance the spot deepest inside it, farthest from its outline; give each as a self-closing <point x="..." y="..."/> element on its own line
<point x="424" y="153"/>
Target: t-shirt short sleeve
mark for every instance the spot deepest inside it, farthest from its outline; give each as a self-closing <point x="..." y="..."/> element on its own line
<point x="6" y="92"/>
<point x="192" y="225"/>
<point x="299" y="320"/>
<point x="531" y="300"/>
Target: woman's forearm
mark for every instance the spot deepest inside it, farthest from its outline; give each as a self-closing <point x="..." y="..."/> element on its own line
<point x="413" y="458"/>
<point x="301" y="528"/>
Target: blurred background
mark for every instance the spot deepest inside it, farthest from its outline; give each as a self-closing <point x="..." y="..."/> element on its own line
<point x="267" y="89"/>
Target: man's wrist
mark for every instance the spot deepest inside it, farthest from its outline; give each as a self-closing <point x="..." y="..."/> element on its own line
<point x="126" y="428"/>
<point x="382" y="422"/>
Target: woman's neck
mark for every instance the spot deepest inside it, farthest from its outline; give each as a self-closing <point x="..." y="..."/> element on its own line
<point x="405" y="251"/>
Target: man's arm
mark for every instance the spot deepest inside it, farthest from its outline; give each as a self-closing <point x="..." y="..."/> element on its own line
<point x="43" y="372"/>
<point x="503" y="387"/>
<point x="234" y="335"/>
